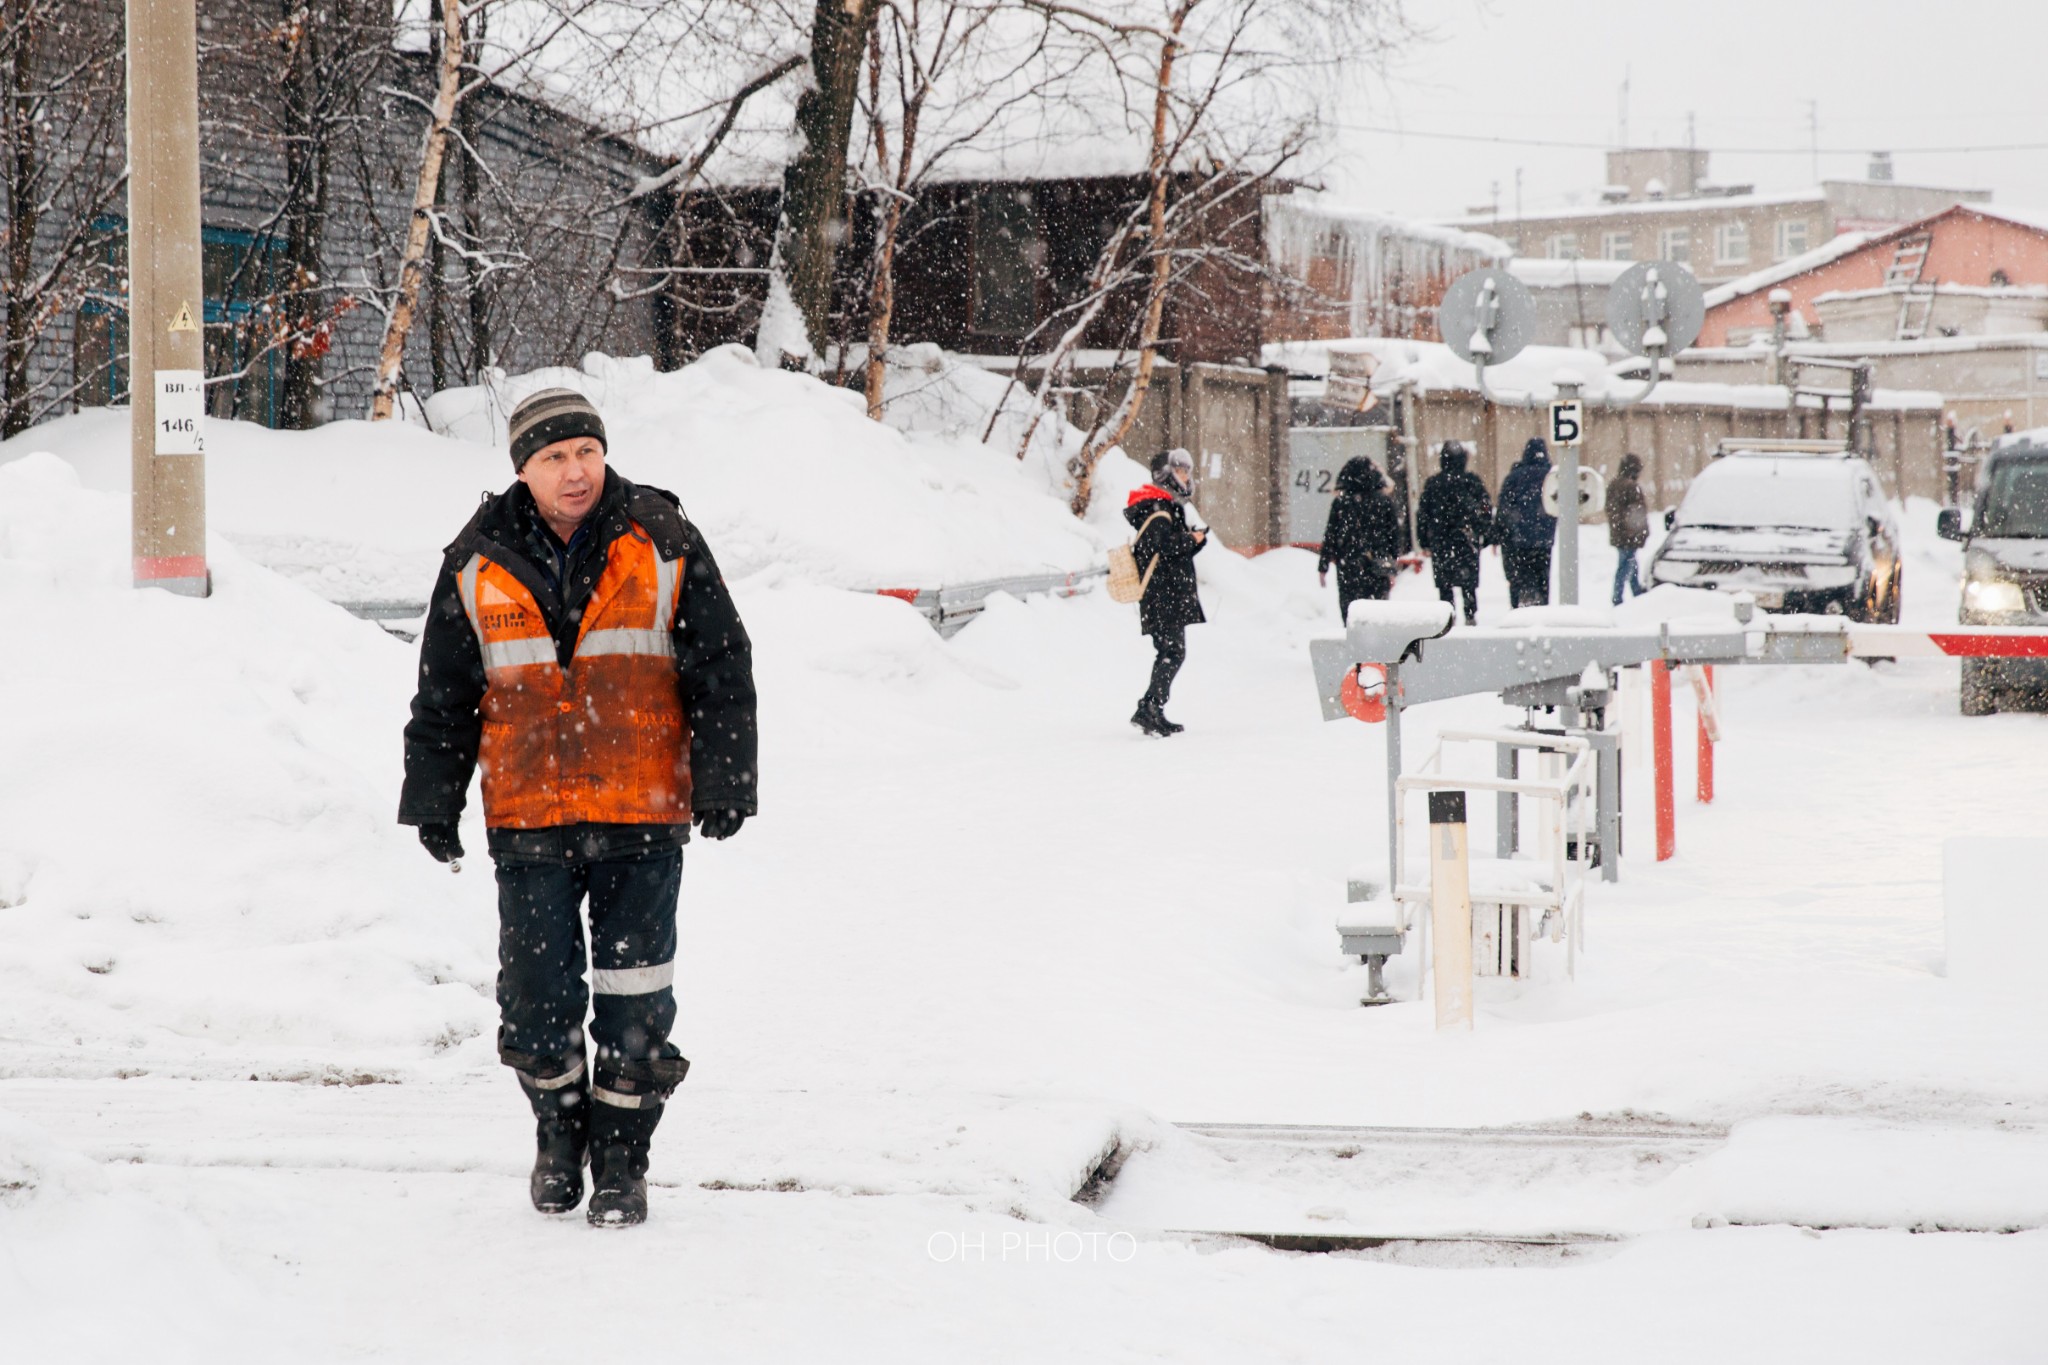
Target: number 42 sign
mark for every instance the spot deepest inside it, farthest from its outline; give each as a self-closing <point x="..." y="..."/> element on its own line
<point x="1567" y="422"/>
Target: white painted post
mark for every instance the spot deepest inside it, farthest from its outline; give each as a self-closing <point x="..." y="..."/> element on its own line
<point x="1450" y="908"/>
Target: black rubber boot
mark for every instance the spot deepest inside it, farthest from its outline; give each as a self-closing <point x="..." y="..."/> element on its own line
<point x="619" y="1139"/>
<point x="618" y="1197"/>
<point x="563" y="1150"/>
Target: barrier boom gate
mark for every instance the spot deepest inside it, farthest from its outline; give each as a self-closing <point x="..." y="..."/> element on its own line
<point x="1422" y="660"/>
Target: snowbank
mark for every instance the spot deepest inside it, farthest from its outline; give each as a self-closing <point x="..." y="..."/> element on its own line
<point x="785" y="473"/>
<point x="197" y="853"/>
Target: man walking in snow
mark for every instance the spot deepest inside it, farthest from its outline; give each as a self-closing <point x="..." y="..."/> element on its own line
<point x="1628" y="523"/>
<point x="582" y="649"/>
<point x="1362" y="536"/>
<point x="1526" y="530"/>
<point x="1452" y="520"/>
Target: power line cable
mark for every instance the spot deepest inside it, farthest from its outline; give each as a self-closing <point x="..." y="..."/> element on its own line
<point x="1726" y="151"/>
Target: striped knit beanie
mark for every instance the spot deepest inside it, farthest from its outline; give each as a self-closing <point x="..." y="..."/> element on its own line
<point x="552" y="415"/>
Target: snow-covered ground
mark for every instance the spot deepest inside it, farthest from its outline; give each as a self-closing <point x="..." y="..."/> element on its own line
<point x="982" y="936"/>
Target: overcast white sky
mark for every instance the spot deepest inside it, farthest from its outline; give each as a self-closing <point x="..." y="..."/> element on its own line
<point x="1886" y="74"/>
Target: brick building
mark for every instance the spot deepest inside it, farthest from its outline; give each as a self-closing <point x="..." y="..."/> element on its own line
<point x="1968" y="269"/>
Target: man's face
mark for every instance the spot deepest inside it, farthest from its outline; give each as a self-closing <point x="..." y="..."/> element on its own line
<point x="566" y="478"/>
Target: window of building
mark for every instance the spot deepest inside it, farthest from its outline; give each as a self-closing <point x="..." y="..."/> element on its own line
<point x="1563" y="247"/>
<point x="99" y="333"/>
<point x="1675" y="244"/>
<point x="1617" y="246"/>
<point x="1791" y="238"/>
<point x="239" y="275"/>
<point x="1731" y="243"/>
<point x="1006" y="252"/>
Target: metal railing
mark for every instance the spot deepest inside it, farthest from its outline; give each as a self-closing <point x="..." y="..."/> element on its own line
<point x="951" y="607"/>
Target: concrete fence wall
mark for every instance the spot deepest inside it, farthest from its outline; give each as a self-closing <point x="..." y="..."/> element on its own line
<point x="1235" y="419"/>
<point x="1674" y="439"/>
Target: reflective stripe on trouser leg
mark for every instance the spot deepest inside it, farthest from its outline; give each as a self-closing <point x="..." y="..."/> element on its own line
<point x="633" y="949"/>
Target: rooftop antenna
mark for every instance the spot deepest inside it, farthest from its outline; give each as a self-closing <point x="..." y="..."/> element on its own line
<point x="1624" y="108"/>
<point x="1813" y="135"/>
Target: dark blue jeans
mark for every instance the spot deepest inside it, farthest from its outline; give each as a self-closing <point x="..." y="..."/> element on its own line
<point x="1625" y="575"/>
<point x="542" y="995"/>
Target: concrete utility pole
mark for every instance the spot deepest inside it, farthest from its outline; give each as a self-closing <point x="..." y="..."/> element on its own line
<point x="166" y="300"/>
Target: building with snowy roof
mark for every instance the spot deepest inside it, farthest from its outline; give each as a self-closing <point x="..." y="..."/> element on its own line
<point x="1913" y="277"/>
<point x="1659" y="204"/>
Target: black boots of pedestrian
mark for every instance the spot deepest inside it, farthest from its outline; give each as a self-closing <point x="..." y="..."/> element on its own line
<point x="563" y="1144"/>
<point x="1152" y="720"/>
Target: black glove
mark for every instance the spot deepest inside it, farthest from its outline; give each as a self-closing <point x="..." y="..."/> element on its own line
<point x="720" y="824"/>
<point x="442" y="841"/>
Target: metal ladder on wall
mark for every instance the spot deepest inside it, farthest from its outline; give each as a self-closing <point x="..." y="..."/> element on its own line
<point x="1916" y="303"/>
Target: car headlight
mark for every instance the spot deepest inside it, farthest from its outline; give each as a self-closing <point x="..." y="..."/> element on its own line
<point x="1993" y="594"/>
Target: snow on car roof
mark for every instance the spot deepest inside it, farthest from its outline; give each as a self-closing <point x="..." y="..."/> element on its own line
<point x="1773" y="490"/>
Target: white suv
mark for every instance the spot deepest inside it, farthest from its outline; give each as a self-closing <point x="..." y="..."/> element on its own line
<point x="1798" y="525"/>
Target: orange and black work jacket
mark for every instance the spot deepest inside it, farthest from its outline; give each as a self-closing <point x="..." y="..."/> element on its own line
<point x="604" y="690"/>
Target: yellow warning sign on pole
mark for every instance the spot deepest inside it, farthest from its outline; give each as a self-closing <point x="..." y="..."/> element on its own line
<point x="183" y="321"/>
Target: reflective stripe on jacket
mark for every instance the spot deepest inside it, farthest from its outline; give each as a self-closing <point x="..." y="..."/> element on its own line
<point x="604" y="741"/>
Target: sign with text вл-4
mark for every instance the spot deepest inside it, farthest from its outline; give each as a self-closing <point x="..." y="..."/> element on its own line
<point x="180" y="412"/>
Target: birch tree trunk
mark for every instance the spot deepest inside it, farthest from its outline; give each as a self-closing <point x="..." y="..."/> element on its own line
<point x="412" y="266"/>
<point x="882" y="294"/>
<point x="1113" y="431"/>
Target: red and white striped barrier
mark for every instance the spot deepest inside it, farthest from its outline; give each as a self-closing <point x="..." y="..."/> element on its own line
<point x="1959" y="642"/>
<point x="1861" y="642"/>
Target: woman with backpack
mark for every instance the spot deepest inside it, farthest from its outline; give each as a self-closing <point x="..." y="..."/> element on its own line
<point x="1362" y="537"/>
<point x="1165" y="550"/>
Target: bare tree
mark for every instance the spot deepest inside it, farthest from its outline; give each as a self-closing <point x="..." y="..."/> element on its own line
<point x="1228" y="94"/>
<point x="944" y="77"/>
<point x="282" y="85"/>
<point x="814" y="184"/>
<point x="412" y="265"/>
<point x="61" y="137"/>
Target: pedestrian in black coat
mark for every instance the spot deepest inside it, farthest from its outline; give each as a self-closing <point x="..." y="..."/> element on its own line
<point x="1165" y="550"/>
<point x="1452" y="522"/>
<point x="1362" y="537"/>
<point x="1526" y="530"/>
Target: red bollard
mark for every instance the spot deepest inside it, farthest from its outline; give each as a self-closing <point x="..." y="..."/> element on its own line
<point x="1660" y="739"/>
<point x="1706" y="760"/>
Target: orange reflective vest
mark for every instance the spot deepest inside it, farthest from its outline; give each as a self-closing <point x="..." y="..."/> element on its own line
<point x="604" y="741"/>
